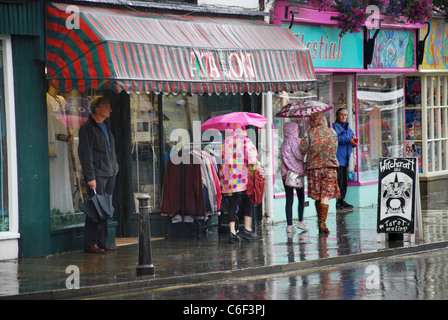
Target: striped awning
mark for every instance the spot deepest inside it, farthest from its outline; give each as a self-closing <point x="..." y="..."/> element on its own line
<point x="92" y="48"/>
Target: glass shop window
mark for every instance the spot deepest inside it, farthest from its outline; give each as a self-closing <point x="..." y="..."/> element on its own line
<point x="146" y="148"/>
<point x="380" y="121"/>
<point x="4" y="208"/>
<point x="413" y="117"/>
<point x="65" y="115"/>
<point x="184" y="114"/>
<point x="436" y="118"/>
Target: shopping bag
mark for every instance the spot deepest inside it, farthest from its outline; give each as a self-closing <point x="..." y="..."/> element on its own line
<point x="98" y="207"/>
<point x="255" y="187"/>
<point x="294" y="180"/>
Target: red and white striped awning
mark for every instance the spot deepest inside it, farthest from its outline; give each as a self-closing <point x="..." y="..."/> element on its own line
<point x="92" y="48"/>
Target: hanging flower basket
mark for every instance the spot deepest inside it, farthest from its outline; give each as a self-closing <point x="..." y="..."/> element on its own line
<point x="441" y="7"/>
<point x="352" y="16"/>
<point x="352" y="13"/>
<point x="321" y="5"/>
<point x="417" y="11"/>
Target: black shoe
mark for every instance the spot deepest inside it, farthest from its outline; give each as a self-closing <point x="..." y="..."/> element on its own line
<point x="233" y="238"/>
<point x="339" y="205"/>
<point x="346" y="205"/>
<point x="249" y="235"/>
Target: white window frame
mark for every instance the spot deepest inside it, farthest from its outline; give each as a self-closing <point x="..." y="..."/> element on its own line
<point x="13" y="199"/>
<point x="437" y="135"/>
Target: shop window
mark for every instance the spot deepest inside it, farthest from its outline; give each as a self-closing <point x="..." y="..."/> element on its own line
<point x="184" y="114"/>
<point x="436" y="118"/>
<point x="65" y="114"/>
<point x="414" y="119"/>
<point x="146" y="148"/>
<point x="4" y="212"/>
<point x="380" y="121"/>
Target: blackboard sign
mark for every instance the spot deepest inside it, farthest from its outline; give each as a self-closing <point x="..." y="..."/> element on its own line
<point x="398" y="178"/>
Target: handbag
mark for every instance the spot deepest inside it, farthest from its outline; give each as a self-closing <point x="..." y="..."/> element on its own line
<point x="255" y="187"/>
<point x="293" y="180"/>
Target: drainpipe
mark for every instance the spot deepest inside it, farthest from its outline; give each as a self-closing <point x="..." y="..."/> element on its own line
<point x="267" y="150"/>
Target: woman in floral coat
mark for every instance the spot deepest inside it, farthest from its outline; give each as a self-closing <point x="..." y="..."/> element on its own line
<point x="238" y="154"/>
<point x="321" y="165"/>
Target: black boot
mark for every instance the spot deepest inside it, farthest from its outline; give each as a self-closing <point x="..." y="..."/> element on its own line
<point x="339" y="205"/>
<point x="345" y="205"/>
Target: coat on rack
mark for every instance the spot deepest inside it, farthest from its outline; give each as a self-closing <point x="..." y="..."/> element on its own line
<point x="172" y="189"/>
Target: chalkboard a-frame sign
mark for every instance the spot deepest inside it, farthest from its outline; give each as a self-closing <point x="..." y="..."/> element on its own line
<point x="397" y="195"/>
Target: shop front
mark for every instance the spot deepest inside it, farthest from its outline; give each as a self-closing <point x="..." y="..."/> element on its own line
<point x="372" y="91"/>
<point x="163" y="79"/>
<point x="426" y="112"/>
<point x="22" y="179"/>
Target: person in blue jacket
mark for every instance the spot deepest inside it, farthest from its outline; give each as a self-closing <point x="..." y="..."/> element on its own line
<point x="346" y="141"/>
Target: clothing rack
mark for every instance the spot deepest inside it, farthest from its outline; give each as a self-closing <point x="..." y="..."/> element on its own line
<point x="183" y="212"/>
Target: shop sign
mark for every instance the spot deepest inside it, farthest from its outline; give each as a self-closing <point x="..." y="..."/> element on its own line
<point x="436" y="47"/>
<point x="328" y="50"/>
<point x="221" y="65"/>
<point x="394" y="49"/>
<point x="397" y="198"/>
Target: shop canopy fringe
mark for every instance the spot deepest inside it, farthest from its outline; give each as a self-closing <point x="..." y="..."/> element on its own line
<point x="92" y="48"/>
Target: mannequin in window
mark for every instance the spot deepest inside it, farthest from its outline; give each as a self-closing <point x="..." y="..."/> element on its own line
<point x="58" y="146"/>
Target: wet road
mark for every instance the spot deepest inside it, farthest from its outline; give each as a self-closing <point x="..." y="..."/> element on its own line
<point x="419" y="276"/>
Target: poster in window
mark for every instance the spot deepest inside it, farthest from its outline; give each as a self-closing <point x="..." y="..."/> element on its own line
<point x="397" y="195"/>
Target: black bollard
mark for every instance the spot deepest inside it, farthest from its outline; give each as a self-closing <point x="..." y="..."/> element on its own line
<point x="145" y="266"/>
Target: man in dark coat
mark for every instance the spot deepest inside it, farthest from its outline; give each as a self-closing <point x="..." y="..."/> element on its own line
<point x="99" y="165"/>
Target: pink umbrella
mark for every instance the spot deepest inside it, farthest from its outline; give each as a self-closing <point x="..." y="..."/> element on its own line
<point x="242" y="118"/>
<point x="302" y="109"/>
<point x="72" y="121"/>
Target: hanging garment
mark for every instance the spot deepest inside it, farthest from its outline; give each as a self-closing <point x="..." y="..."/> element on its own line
<point x="172" y="189"/>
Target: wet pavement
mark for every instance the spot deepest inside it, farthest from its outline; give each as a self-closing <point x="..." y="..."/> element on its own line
<point x="189" y="260"/>
<point x="420" y="276"/>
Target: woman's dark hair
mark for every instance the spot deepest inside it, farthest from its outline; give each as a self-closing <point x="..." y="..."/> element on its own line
<point x="96" y="102"/>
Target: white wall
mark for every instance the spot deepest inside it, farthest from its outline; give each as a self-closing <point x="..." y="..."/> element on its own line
<point x="231" y="4"/>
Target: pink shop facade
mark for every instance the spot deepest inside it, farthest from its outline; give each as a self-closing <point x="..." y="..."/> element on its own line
<point x="372" y="84"/>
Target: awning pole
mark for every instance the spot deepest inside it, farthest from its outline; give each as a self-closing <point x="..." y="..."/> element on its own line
<point x="268" y="157"/>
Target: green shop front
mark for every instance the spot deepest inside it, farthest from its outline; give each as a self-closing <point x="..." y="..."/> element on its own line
<point x="163" y="79"/>
<point x="23" y="176"/>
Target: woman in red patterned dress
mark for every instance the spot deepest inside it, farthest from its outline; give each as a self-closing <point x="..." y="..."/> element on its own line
<point x="321" y="165"/>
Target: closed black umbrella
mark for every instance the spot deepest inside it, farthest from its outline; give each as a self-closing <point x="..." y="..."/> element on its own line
<point x="98" y="207"/>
